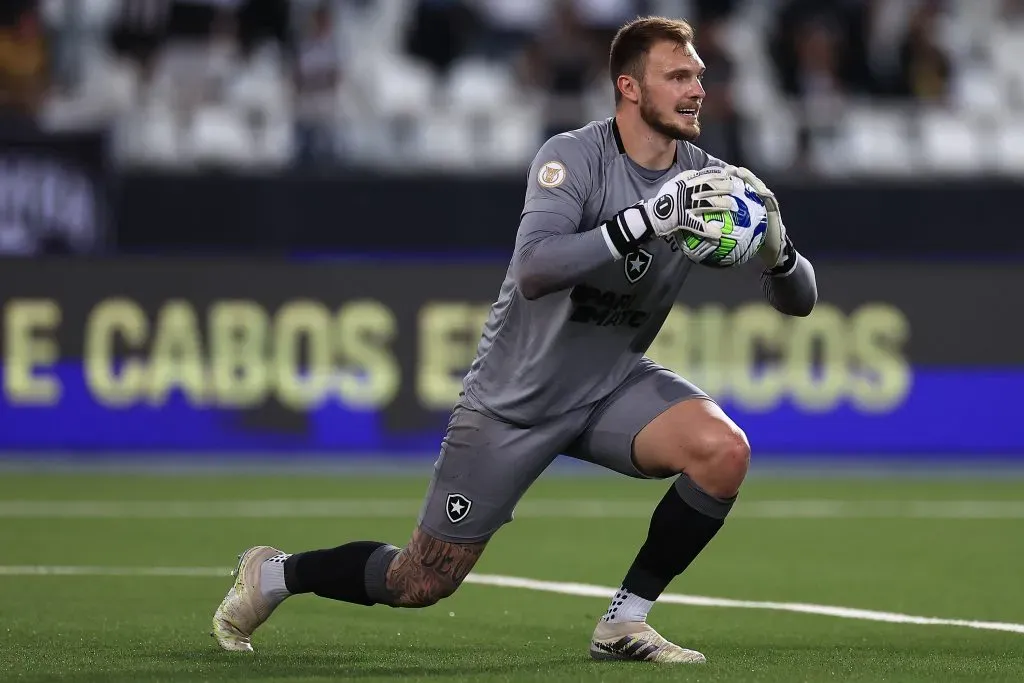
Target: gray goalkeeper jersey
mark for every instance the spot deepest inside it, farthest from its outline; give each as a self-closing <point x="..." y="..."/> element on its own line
<point x="541" y="357"/>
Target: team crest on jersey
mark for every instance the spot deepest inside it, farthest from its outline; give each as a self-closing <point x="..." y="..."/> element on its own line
<point x="552" y="174"/>
<point x="636" y="264"/>
<point x="457" y="507"/>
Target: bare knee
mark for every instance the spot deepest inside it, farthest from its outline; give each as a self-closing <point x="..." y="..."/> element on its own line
<point x="428" y="570"/>
<point x="698" y="439"/>
<point x="720" y="460"/>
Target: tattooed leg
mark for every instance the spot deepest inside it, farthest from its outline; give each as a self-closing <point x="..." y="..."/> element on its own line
<point x="429" y="569"/>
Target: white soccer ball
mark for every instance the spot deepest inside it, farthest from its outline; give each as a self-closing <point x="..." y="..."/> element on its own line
<point x="743" y="232"/>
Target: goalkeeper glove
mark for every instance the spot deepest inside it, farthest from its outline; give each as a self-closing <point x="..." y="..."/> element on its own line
<point x="680" y="204"/>
<point x="777" y="252"/>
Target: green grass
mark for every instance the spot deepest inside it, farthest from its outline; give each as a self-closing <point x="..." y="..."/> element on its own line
<point x="87" y="628"/>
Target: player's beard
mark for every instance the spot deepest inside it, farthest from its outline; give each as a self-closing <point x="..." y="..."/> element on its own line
<point x="670" y="129"/>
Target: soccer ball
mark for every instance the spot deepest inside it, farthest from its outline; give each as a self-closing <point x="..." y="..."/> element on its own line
<point x="743" y="232"/>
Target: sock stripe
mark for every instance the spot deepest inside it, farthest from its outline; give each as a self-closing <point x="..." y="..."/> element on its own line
<point x="702" y="501"/>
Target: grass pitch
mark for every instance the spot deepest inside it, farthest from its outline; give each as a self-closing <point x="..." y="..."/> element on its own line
<point x="934" y="548"/>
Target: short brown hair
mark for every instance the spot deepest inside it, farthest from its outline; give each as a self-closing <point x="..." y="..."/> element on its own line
<point x="634" y="40"/>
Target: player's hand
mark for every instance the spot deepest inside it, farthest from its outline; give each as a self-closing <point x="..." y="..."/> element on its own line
<point x="777" y="250"/>
<point x="681" y="203"/>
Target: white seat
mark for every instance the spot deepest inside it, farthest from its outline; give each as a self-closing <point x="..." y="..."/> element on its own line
<point x="978" y="89"/>
<point x="99" y="12"/>
<point x="260" y="88"/>
<point x="275" y="143"/>
<point x="402" y="86"/>
<point x="876" y="140"/>
<point x="441" y="140"/>
<point x="511" y="140"/>
<point x="772" y="137"/>
<point x="179" y="72"/>
<point x="477" y="87"/>
<point x="110" y="84"/>
<point x="151" y="137"/>
<point x="950" y="144"/>
<point x="754" y="92"/>
<point x="1009" y="147"/>
<point x="1006" y="44"/>
<point x="94" y="13"/>
<point x="218" y="135"/>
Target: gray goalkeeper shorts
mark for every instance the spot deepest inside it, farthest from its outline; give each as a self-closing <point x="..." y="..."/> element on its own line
<point x="486" y="465"/>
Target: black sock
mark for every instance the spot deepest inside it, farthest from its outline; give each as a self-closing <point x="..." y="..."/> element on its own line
<point x="683" y="523"/>
<point x="354" y="572"/>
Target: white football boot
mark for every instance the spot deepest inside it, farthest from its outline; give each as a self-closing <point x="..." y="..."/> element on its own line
<point x="243" y="608"/>
<point x="636" y="641"/>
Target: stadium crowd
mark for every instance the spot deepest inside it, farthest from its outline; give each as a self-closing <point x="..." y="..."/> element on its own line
<point x="820" y="87"/>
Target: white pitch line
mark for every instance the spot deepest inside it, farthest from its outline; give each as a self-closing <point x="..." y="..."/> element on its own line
<point x="589" y="590"/>
<point x="542" y="508"/>
<point x="563" y="588"/>
<point x="56" y="570"/>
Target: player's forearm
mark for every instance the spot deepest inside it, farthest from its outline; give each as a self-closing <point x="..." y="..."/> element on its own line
<point x="794" y="293"/>
<point x="550" y="256"/>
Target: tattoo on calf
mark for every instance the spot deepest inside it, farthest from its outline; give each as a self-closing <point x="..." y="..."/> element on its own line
<point x="429" y="569"/>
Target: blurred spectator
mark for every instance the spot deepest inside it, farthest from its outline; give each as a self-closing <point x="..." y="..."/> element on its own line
<point x="720" y="123"/>
<point x="318" y="75"/>
<point x="1007" y="41"/>
<point x="809" y="57"/>
<point x="1011" y="11"/>
<point x="561" y="62"/>
<point x="194" y="19"/>
<point x="139" y="30"/>
<point x="925" y="69"/>
<point x="604" y="17"/>
<point x="211" y="67"/>
<point x="24" y="71"/>
<point x="261" y="22"/>
<point x="709" y="10"/>
<point x="440" y="32"/>
<point x="253" y="21"/>
<point x="509" y="27"/>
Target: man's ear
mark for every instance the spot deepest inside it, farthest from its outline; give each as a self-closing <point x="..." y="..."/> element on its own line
<point x="629" y="88"/>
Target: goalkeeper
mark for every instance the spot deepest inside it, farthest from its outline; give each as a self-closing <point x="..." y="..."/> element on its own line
<point x="560" y="367"/>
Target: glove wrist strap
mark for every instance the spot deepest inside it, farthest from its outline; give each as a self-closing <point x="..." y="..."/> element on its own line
<point x="627" y="230"/>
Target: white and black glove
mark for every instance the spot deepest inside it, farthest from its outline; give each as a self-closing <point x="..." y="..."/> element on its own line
<point x="777" y="252"/>
<point x="680" y="204"/>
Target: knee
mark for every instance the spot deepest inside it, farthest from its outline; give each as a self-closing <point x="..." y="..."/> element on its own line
<point x="423" y="595"/>
<point x="425" y="598"/>
<point x="429" y="570"/>
<point x="722" y="459"/>
<point x="423" y="591"/>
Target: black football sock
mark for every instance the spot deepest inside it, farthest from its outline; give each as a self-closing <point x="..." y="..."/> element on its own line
<point x="354" y="572"/>
<point x="683" y="523"/>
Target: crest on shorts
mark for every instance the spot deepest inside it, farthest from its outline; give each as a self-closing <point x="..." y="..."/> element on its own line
<point x="636" y="265"/>
<point x="552" y="174"/>
<point x="457" y="507"/>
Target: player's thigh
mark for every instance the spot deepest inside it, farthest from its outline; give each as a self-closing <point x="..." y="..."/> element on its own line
<point x="618" y="436"/>
<point x="484" y="468"/>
